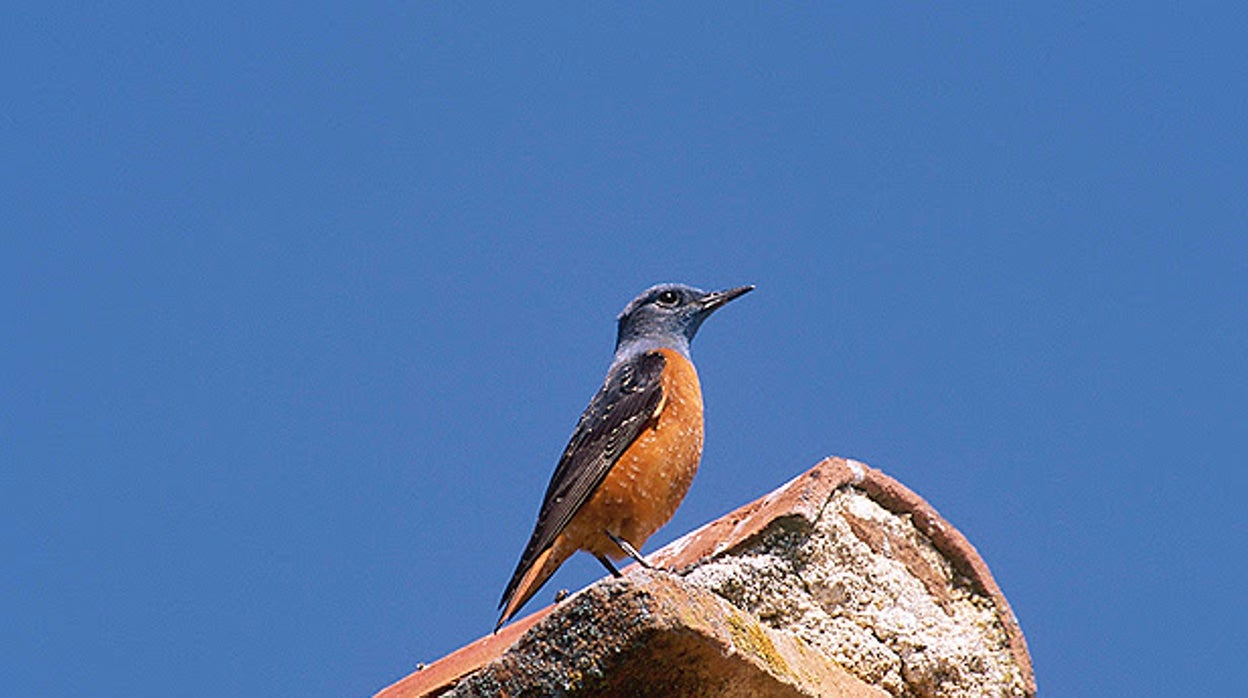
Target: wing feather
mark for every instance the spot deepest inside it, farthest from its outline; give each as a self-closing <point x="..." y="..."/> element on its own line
<point x="628" y="400"/>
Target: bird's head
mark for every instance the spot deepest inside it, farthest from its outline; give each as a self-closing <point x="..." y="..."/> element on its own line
<point x="668" y="315"/>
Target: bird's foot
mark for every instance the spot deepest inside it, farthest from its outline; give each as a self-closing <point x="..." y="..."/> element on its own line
<point x="632" y="552"/>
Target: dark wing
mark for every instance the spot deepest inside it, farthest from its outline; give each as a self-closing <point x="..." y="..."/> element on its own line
<point x="613" y="420"/>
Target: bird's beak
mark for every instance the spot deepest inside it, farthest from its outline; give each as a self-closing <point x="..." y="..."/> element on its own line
<point x="713" y="300"/>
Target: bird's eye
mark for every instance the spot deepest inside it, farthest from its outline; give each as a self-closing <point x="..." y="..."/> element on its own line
<point x="668" y="298"/>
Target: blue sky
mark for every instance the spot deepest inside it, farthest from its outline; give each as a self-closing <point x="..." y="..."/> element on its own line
<point x="302" y="303"/>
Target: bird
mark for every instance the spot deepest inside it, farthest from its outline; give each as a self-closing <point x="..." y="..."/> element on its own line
<point x="635" y="449"/>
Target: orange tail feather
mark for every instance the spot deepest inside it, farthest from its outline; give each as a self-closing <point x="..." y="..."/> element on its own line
<point x="541" y="570"/>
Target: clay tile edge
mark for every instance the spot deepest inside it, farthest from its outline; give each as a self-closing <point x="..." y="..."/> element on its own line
<point x="901" y="500"/>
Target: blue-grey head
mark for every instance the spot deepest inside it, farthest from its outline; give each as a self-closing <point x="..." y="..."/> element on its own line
<point x="668" y="315"/>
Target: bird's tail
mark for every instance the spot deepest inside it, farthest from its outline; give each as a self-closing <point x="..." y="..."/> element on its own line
<point x="519" y="592"/>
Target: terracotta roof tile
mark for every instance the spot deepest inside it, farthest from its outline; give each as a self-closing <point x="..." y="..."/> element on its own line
<point x="731" y="568"/>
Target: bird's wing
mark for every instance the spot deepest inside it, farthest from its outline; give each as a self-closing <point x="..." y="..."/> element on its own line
<point x="615" y="417"/>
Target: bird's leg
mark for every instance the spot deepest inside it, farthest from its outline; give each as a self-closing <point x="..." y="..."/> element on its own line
<point x="629" y="550"/>
<point x="610" y="567"/>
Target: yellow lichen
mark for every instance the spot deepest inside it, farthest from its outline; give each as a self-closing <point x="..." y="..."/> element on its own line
<point x="750" y="637"/>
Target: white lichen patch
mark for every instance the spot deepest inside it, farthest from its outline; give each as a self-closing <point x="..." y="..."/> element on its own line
<point x="865" y="587"/>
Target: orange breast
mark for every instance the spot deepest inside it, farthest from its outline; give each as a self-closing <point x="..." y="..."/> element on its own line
<point x="643" y="489"/>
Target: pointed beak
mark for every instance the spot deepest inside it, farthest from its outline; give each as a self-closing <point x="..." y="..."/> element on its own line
<point x="713" y="300"/>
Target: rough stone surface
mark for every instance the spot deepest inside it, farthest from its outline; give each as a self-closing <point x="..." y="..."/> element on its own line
<point x="872" y="592"/>
<point x="840" y="583"/>
<point x="652" y="634"/>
